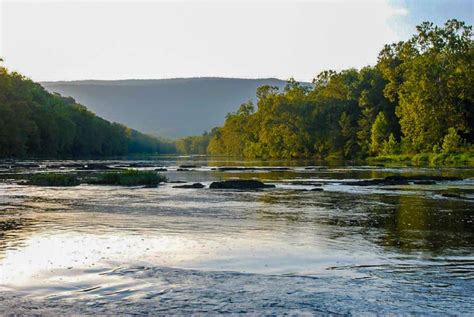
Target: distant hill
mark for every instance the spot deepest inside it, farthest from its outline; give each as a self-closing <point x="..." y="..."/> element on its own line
<point x="36" y="123"/>
<point x="164" y="107"/>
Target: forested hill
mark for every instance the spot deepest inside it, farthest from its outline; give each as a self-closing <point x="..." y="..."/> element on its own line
<point x="418" y="99"/>
<point x="36" y="123"/>
<point x="165" y="107"/>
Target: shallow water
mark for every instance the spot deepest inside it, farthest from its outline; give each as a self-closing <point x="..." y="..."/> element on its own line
<point x="346" y="249"/>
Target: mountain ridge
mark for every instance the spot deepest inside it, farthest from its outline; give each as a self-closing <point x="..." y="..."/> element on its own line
<point x="174" y="107"/>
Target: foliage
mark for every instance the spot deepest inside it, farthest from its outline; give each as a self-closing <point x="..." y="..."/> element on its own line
<point x="408" y="103"/>
<point x="433" y="159"/>
<point x="390" y="146"/>
<point x="126" y="178"/>
<point x="418" y="99"/>
<point x="431" y="77"/>
<point x="451" y="141"/>
<point x="195" y="144"/>
<point x="379" y="134"/>
<point x="53" y="179"/>
<point x="34" y="122"/>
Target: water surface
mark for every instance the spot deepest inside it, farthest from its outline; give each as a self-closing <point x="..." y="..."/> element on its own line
<point x="287" y="250"/>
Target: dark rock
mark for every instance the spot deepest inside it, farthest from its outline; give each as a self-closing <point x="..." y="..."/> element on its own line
<point x="142" y="164"/>
<point x="150" y="186"/>
<point x="160" y="169"/>
<point x="195" y="185"/>
<point x="188" y="166"/>
<point x="458" y="196"/>
<point x="240" y="184"/>
<point x="452" y="195"/>
<point x="182" y="170"/>
<point x="424" y="182"/>
<point x="25" y="165"/>
<point x="317" y="189"/>
<point x="401" y="180"/>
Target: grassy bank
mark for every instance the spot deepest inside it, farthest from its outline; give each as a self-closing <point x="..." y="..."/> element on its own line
<point x="54" y="179"/>
<point x="127" y="178"/>
<point x="434" y="159"/>
<point x="118" y="178"/>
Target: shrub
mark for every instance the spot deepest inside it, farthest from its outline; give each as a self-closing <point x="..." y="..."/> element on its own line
<point x="391" y="146"/>
<point x="53" y="179"/>
<point x="451" y="141"/>
<point x="421" y="158"/>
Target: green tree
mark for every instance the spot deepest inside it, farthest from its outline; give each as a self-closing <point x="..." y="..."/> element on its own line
<point x="431" y="77"/>
<point x="390" y="146"/>
<point x="452" y="141"/>
<point x="379" y="134"/>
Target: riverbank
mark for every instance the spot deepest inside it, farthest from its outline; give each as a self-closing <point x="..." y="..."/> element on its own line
<point x="431" y="159"/>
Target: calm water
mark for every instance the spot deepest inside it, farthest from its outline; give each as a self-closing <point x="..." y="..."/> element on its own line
<point x="345" y="250"/>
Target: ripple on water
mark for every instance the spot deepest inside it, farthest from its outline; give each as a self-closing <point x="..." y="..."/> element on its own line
<point x="347" y="249"/>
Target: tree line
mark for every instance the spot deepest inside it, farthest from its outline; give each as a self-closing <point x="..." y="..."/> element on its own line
<point x="417" y="98"/>
<point x="36" y="123"/>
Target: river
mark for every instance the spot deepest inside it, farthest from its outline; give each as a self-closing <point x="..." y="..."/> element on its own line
<point x="345" y="249"/>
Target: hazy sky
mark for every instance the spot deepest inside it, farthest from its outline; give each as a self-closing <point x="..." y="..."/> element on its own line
<point x="67" y="40"/>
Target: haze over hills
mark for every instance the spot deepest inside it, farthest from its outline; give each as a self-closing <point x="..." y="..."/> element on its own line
<point x="164" y="107"/>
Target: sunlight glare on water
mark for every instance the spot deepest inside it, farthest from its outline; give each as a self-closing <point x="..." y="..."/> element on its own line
<point x="393" y="249"/>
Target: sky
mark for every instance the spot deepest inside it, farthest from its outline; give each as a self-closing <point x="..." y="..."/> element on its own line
<point x="73" y="40"/>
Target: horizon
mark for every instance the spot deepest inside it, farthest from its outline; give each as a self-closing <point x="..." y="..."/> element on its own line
<point x="170" y="78"/>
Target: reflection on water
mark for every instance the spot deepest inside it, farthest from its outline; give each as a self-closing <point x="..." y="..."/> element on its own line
<point x="347" y="249"/>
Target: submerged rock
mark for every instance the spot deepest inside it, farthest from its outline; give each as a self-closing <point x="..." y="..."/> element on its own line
<point x="195" y="185"/>
<point x="317" y="189"/>
<point x="403" y="180"/>
<point x="161" y="169"/>
<point x="240" y="184"/>
<point x="188" y="166"/>
<point x="455" y="195"/>
<point x="424" y="182"/>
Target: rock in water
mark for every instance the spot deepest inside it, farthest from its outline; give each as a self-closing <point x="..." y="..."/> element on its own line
<point x="195" y="185"/>
<point x="240" y="184"/>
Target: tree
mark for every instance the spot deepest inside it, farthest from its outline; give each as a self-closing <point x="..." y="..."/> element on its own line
<point x="431" y="76"/>
<point x="390" y="146"/>
<point x="379" y="133"/>
<point x="451" y="141"/>
<point x="34" y="122"/>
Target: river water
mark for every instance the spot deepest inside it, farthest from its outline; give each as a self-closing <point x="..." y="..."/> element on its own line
<point x="347" y="249"/>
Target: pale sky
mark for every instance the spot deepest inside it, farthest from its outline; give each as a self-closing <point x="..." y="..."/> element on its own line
<point x="71" y="40"/>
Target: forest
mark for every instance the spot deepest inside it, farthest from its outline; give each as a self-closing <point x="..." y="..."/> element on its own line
<point x="416" y="101"/>
<point x="36" y="123"/>
<point x="418" y="98"/>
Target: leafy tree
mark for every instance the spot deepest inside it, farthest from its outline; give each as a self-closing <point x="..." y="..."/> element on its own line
<point x="379" y="133"/>
<point x="451" y="141"/>
<point x="419" y="90"/>
<point x="34" y="122"/>
<point x="431" y="77"/>
<point x="390" y="146"/>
